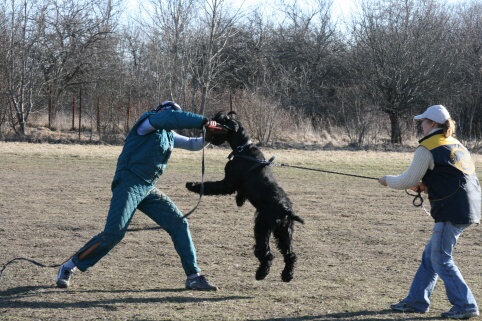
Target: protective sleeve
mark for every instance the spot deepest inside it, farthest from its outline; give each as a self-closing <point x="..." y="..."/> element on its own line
<point x="188" y="143"/>
<point x="172" y="120"/>
<point x="422" y="161"/>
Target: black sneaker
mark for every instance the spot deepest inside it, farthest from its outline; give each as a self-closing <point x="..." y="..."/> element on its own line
<point x="200" y="283"/>
<point x="63" y="277"/>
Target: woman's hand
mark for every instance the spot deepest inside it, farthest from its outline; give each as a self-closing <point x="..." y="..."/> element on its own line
<point x="383" y="180"/>
<point x="420" y="187"/>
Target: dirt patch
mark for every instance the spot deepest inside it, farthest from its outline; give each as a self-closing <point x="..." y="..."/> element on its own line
<point x="358" y="250"/>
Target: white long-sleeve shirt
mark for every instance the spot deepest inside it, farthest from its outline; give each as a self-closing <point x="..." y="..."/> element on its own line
<point x="422" y="161"/>
<point x="189" y="143"/>
<point x="180" y="141"/>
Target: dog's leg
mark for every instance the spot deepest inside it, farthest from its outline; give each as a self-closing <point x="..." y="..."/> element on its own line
<point x="240" y="199"/>
<point x="212" y="188"/>
<point x="283" y="234"/>
<point x="262" y="251"/>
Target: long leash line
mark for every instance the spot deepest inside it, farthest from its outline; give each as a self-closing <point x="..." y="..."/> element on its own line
<point x="28" y="260"/>
<point x="325" y="171"/>
<point x="128" y="229"/>
<point x="417" y="200"/>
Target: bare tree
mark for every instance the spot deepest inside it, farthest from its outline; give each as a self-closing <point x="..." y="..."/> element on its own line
<point x="215" y="26"/>
<point x="21" y="60"/>
<point x="3" y="58"/>
<point x="464" y="96"/>
<point x="399" y="53"/>
<point x="77" y="43"/>
<point x="168" y="33"/>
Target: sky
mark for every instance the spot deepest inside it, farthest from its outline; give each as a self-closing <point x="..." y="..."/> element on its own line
<point x="341" y="8"/>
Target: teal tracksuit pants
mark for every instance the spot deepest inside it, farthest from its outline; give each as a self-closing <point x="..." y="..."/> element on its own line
<point x="129" y="192"/>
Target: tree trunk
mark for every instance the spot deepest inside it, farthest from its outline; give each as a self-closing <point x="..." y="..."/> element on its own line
<point x="395" y="130"/>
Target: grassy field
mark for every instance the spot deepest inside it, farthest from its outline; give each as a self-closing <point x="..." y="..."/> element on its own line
<point x="358" y="250"/>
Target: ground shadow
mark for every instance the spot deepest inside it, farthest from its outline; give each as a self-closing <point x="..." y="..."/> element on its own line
<point x="359" y="316"/>
<point x="11" y="298"/>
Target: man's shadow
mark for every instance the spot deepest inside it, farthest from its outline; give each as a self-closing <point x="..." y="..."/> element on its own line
<point x="15" y="298"/>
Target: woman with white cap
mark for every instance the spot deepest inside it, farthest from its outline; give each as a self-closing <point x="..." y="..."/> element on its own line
<point x="443" y="168"/>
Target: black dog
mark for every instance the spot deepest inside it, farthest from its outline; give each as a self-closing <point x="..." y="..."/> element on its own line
<point x="247" y="174"/>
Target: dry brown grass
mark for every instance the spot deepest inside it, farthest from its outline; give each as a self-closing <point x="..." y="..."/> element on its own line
<point x="358" y="250"/>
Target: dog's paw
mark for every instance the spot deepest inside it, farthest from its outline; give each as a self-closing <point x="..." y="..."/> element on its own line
<point x="287" y="275"/>
<point x="263" y="270"/>
<point x="193" y="187"/>
<point x="240" y="199"/>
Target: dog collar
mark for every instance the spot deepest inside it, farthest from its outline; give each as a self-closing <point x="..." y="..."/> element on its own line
<point x="239" y="149"/>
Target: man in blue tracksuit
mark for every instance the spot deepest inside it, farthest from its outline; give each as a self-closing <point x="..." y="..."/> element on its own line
<point x="142" y="161"/>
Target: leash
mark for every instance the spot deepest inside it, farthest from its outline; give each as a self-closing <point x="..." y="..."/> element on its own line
<point x="271" y="162"/>
<point x="326" y="171"/>
<point x="201" y="191"/>
<point x="28" y="260"/>
<point x="417" y="198"/>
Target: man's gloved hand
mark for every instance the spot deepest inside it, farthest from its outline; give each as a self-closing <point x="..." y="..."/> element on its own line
<point x="213" y="129"/>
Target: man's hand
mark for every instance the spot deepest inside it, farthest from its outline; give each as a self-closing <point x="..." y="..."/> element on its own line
<point x="210" y="123"/>
<point x="214" y="128"/>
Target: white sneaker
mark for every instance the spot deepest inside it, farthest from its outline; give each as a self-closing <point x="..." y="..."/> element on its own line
<point x="63" y="277"/>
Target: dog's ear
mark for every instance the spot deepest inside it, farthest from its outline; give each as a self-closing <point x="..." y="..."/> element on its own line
<point x="232" y="114"/>
<point x="233" y="123"/>
<point x="236" y="126"/>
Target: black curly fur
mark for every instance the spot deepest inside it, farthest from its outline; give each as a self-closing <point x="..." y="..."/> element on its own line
<point x="254" y="181"/>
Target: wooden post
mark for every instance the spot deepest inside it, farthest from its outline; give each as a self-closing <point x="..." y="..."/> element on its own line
<point x="98" y="116"/>
<point x="80" y="111"/>
<point x="50" y="108"/>
<point x="73" y="113"/>
<point x="128" y="113"/>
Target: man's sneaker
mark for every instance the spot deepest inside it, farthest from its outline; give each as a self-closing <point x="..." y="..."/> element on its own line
<point x="404" y="307"/>
<point x="200" y="283"/>
<point x="63" y="277"/>
<point x="459" y="314"/>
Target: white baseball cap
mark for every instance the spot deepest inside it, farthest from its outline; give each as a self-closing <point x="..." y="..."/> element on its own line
<point x="437" y="113"/>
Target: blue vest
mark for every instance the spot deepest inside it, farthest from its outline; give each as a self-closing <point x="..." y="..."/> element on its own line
<point x="453" y="187"/>
<point x="147" y="155"/>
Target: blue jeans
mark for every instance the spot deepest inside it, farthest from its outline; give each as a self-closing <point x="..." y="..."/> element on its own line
<point x="437" y="261"/>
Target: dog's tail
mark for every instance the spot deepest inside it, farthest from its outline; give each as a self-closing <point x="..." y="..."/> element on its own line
<point x="295" y="217"/>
